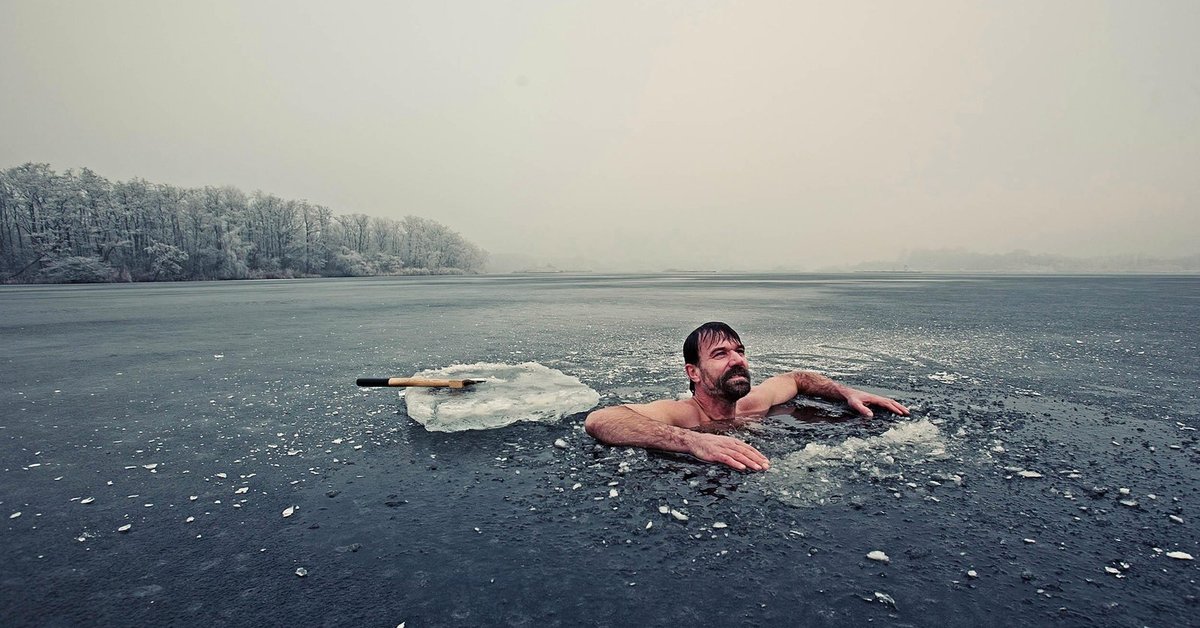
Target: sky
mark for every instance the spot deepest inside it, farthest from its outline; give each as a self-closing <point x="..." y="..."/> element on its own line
<point x="643" y="135"/>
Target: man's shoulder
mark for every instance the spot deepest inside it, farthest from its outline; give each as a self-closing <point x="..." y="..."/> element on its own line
<point x="764" y="396"/>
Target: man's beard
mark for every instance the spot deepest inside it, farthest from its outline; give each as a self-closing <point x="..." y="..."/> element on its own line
<point x="732" y="389"/>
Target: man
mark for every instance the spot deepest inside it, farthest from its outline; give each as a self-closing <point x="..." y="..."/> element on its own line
<point x="722" y="399"/>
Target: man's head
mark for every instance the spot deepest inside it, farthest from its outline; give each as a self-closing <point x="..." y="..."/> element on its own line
<point x="715" y="358"/>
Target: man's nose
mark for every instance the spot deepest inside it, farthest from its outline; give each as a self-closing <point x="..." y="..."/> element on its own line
<point x="739" y="358"/>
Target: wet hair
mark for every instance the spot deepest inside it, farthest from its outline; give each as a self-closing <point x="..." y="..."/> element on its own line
<point x="714" y="330"/>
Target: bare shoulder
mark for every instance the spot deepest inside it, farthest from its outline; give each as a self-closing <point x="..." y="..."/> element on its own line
<point x="670" y="411"/>
<point x="770" y="393"/>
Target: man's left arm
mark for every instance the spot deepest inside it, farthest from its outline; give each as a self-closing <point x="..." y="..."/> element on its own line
<point x="782" y="388"/>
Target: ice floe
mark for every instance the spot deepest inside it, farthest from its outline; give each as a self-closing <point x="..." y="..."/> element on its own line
<point x="512" y="392"/>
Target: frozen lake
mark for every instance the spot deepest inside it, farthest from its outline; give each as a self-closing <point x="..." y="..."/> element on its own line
<point x="196" y="413"/>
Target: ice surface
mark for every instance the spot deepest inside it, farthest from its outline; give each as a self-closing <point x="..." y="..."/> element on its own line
<point x="513" y="392"/>
<point x="819" y="472"/>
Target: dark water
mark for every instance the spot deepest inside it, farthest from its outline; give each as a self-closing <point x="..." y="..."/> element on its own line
<point x="1089" y="382"/>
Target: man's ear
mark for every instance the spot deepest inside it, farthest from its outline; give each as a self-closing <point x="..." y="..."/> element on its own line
<point x="693" y="372"/>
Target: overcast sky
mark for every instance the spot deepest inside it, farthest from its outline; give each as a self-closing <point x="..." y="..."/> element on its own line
<point x="731" y="135"/>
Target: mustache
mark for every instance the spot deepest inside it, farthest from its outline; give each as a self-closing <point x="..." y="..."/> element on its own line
<point x="735" y="371"/>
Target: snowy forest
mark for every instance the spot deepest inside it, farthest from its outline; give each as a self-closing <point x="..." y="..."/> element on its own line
<point x="78" y="227"/>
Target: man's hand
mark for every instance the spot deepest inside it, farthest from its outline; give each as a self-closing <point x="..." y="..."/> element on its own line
<point x="728" y="451"/>
<point x="859" y="400"/>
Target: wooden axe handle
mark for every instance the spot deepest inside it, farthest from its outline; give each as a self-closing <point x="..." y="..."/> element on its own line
<point x="414" y="381"/>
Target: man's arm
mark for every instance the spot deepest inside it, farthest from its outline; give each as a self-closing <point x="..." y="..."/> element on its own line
<point x="655" y="426"/>
<point x="782" y="388"/>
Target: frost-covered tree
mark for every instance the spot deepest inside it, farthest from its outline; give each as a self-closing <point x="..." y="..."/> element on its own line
<point x="166" y="261"/>
<point x="76" y="269"/>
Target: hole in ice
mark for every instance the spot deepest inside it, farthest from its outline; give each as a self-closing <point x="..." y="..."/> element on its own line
<point x="822" y="472"/>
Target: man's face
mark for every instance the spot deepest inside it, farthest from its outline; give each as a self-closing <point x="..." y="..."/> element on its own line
<point x="723" y="370"/>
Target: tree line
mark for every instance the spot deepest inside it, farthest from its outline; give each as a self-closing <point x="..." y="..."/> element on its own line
<point x="80" y="227"/>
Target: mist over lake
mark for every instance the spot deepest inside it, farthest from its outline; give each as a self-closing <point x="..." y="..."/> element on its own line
<point x="1048" y="474"/>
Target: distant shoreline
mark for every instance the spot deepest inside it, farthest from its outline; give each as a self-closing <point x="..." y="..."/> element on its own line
<point x="416" y="272"/>
<point x="450" y="273"/>
<point x="78" y="227"/>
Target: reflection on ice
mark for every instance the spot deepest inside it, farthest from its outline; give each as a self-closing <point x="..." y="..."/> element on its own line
<point x="512" y="393"/>
<point x="820" y="472"/>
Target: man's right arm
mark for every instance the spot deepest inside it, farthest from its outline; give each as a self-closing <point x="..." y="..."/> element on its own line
<point x="652" y="426"/>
